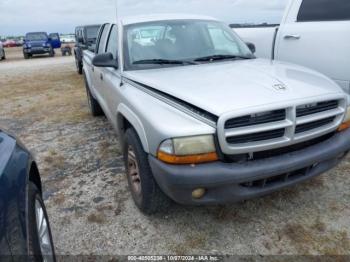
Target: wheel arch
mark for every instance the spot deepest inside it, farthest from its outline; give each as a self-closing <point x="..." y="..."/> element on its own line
<point x="127" y="118"/>
<point x="34" y="176"/>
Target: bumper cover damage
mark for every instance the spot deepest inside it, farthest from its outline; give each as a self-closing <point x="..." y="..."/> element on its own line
<point x="227" y="182"/>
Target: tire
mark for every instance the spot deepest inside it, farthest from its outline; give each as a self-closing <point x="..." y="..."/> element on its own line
<point x="94" y="106"/>
<point x="26" y="56"/>
<point x="147" y="195"/>
<point x="36" y="249"/>
<point x="79" y="66"/>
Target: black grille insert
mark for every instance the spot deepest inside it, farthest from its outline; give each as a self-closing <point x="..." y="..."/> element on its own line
<point x="283" y="178"/>
<point x="256" y="137"/>
<point x="256" y="119"/>
<point x="316" y="108"/>
<point x="313" y="125"/>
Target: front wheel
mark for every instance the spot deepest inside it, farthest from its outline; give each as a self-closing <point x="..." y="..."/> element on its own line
<point x="41" y="246"/>
<point x="147" y="195"/>
<point x="26" y="55"/>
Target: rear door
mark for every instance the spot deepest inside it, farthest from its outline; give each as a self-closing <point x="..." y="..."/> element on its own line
<point x="111" y="77"/>
<point x="97" y="72"/>
<point x="316" y="34"/>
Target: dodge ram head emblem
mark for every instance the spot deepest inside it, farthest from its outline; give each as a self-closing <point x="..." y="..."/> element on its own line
<point x="279" y="87"/>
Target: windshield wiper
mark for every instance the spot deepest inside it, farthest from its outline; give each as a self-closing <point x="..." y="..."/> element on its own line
<point x="221" y="57"/>
<point x="164" y="62"/>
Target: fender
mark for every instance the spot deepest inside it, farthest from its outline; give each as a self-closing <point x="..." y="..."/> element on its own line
<point x="136" y="123"/>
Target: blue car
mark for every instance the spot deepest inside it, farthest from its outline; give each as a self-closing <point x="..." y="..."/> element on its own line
<point x="37" y="43"/>
<point x="24" y="224"/>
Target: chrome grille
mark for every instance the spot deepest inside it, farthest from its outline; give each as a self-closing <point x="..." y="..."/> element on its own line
<point x="278" y="127"/>
<point x="313" y="125"/>
<point x="310" y="109"/>
<point x="267" y="135"/>
<point x="256" y="119"/>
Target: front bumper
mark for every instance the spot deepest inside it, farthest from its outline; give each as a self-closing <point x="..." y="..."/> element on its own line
<point x="232" y="182"/>
<point x="37" y="50"/>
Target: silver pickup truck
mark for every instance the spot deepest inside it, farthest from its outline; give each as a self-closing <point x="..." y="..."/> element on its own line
<point x="202" y="121"/>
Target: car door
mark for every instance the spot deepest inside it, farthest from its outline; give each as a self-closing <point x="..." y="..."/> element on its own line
<point x="111" y="77"/>
<point x="316" y="34"/>
<point x="97" y="72"/>
<point x="55" y="40"/>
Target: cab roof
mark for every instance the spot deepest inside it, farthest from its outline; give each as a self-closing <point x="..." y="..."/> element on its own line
<point x="162" y="17"/>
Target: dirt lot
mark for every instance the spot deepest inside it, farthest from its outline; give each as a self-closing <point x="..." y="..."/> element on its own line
<point x="43" y="101"/>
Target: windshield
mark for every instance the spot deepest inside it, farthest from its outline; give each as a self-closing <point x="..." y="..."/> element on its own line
<point x="180" y="42"/>
<point x="36" y="37"/>
<point x="91" y="32"/>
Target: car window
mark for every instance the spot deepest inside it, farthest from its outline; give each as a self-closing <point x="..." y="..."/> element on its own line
<point x="54" y="36"/>
<point x="179" y="40"/>
<point x="112" y="45"/>
<point x="324" y="10"/>
<point x="103" y="39"/>
<point x="222" y="41"/>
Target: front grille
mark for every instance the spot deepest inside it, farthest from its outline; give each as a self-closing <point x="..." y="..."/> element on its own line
<point x="315" y="108"/>
<point x="254" y="131"/>
<point x="313" y="125"/>
<point x="256" y="119"/>
<point x="256" y="137"/>
<point x="279" y="151"/>
<point x="283" y="178"/>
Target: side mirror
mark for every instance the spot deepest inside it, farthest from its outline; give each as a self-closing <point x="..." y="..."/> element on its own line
<point x="105" y="60"/>
<point x="251" y="46"/>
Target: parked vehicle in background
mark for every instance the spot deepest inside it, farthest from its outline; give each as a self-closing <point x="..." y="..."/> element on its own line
<point x="313" y="33"/>
<point x="37" y="43"/>
<point x="24" y="224"/>
<point x="19" y="42"/>
<point x="2" y="52"/>
<point x="9" y="43"/>
<point x="202" y="121"/>
<point x="55" y="40"/>
<point x="85" y="39"/>
<point x="67" y="39"/>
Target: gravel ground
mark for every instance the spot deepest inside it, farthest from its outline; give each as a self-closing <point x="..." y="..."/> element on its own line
<point x="43" y="101"/>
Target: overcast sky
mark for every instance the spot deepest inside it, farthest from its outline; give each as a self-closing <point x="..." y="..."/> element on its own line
<point x="20" y="16"/>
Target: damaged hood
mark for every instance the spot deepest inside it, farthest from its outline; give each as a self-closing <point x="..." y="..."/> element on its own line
<point x="222" y="87"/>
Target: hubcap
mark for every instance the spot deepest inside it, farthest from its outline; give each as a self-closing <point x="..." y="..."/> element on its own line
<point x="43" y="233"/>
<point x="133" y="171"/>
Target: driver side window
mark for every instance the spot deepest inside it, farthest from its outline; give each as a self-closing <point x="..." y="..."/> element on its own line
<point x="112" y="45"/>
<point x="103" y="39"/>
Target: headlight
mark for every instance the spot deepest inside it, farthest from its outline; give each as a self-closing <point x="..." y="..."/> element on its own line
<point x="28" y="45"/>
<point x="188" y="150"/>
<point x="346" y="123"/>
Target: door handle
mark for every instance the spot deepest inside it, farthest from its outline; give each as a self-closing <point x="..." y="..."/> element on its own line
<point x="101" y="76"/>
<point x="295" y="37"/>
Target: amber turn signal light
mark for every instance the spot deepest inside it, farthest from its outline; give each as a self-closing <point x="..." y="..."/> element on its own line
<point x="190" y="159"/>
<point x="344" y="126"/>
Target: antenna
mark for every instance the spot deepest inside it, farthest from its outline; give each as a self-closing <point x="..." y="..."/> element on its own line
<point x="116" y="10"/>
